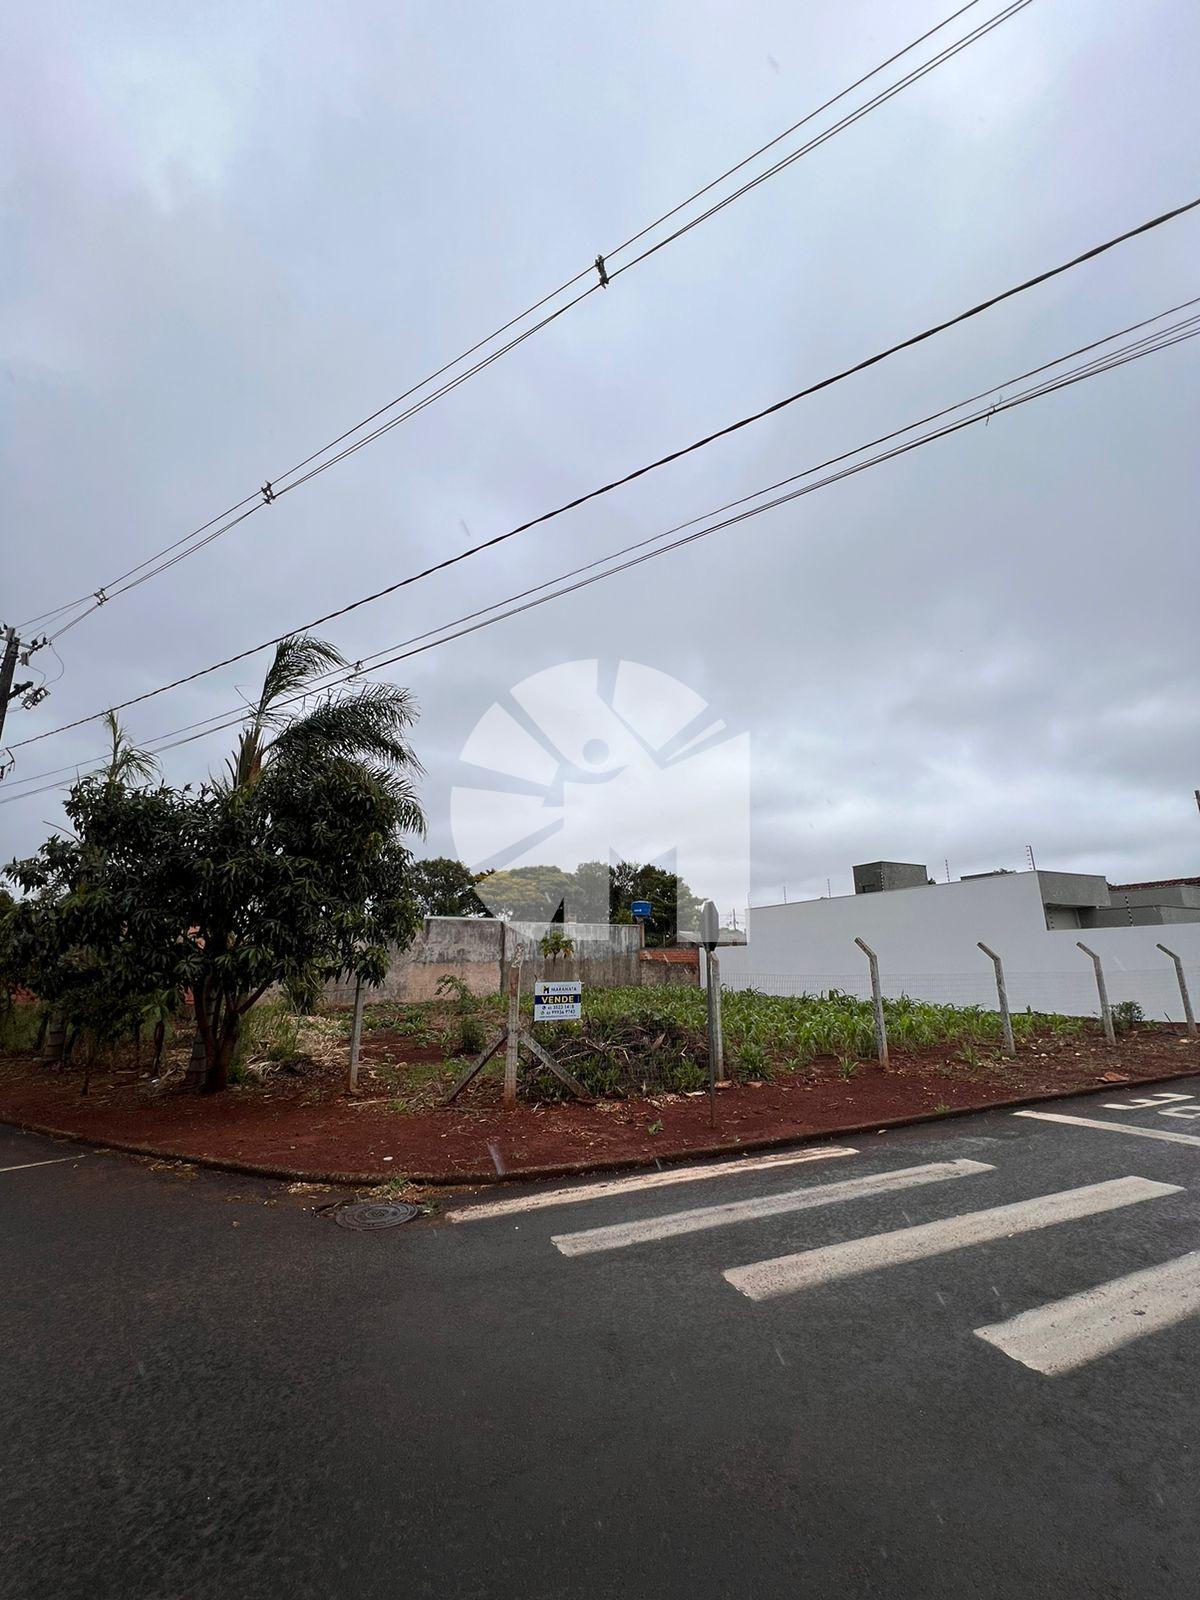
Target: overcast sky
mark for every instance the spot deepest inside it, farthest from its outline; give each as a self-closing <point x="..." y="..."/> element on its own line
<point x="231" y="230"/>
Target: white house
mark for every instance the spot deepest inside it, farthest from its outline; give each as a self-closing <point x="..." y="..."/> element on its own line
<point x="927" y="936"/>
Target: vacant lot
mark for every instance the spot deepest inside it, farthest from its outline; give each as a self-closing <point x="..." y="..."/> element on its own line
<point x="796" y="1066"/>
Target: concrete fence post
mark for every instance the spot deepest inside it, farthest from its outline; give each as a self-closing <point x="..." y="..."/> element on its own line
<point x="1010" y="1044"/>
<point x="716" y="1042"/>
<point x="1188" y="1013"/>
<point x="512" y="1040"/>
<point x="881" y="1046"/>
<point x="356" y="1031"/>
<point x="1102" y="991"/>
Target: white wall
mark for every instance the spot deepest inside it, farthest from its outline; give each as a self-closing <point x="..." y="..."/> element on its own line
<point x="926" y="942"/>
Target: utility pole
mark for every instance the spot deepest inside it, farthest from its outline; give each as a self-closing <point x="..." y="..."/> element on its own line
<point x="8" y="666"/>
<point x="11" y="645"/>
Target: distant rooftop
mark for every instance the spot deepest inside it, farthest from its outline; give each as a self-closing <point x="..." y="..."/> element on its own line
<point x="1157" y="883"/>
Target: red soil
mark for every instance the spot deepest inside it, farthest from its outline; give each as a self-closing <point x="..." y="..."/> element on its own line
<point x="308" y="1126"/>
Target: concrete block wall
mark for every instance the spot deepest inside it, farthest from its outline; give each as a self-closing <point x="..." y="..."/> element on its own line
<point x="605" y="956"/>
<point x="478" y="951"/>
<point x="469" y="948"/>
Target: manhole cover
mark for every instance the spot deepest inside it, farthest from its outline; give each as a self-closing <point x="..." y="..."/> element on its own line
<point x="375" y="1214"/>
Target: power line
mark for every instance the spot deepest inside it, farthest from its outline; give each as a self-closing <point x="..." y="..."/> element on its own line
<point x="198" y="538"/>
<point x="1091" y="369"/>
<point x="779" y="166"/>
<point x="639" y="472"/>
<point x="1149" y="344"/>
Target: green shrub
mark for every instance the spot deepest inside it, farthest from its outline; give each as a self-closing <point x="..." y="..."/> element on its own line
<point x="469" y="1034"/>
<point x="303" y="993"/>
<point x="635" y="1041"/>
<point x="19" y="1025"/>
<point x="1125" y="1014"/>
<point x="270" y="1029"/>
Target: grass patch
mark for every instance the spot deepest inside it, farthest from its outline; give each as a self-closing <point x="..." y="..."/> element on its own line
<point x="19" y="1026"/>
<point x="632" y="1041"/>
<point x="654" y="1040"/>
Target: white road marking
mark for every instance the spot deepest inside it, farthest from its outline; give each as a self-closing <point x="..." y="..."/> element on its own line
<point x="1069" y="1333"/>
<point x="56" y="1162"/>
<point x="650" y="1180"/>
<point x="1147" y="1102"/>
<point x="1112" y="1127"/>
<point x="770" y="1205"/>
<point x="784" y="1275"/>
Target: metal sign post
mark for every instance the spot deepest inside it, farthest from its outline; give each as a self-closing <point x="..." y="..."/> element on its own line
<point x="511" y="1038"/>
<point x="710" y="932"/>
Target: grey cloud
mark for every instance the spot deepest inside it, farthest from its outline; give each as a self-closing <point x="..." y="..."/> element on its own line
<point x="230" y="237"/>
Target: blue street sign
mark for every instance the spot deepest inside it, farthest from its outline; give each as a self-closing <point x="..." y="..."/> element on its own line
<point x="642" y="910"/>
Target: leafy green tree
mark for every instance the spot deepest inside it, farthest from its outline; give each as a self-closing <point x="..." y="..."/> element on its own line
<point x="595" y="892"/>
<point x="48" y="941"/>
<point x="443" y="887"/>
<point x="287" y="870"/>
<point x="221" y="891"/>
<point x="528" y="894"/>
<point x="283" y="736"/>
<point x="304" y="875"/>
<point x="674" y="904"/>
<point x="89" y="936"/>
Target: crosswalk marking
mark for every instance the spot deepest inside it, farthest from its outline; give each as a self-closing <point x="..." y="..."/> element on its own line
<point x="645" y="1180"/>
<point x="1068" y="1333"/>
<point x="1149" y="1102"/>
<point x="57" y="1161"/>
<point x="763" y="1279"/>
<point x="771" y="1205"/>
<point x="1112" y="1127"/>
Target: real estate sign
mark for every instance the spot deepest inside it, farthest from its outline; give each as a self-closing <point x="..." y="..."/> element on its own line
<point x="557" y="1002"/>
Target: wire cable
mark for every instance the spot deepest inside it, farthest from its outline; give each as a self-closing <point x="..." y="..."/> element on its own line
<point x="1090" y="369"/>
<point x="1162" y="338"/>
<point x="198" y="538"/>
<point x="639" y="472"/>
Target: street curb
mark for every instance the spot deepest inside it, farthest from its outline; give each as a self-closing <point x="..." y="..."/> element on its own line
<point x="569" y="1169"/>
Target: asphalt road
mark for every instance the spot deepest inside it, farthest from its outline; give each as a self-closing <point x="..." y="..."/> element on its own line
<point x="209" y="1390"/>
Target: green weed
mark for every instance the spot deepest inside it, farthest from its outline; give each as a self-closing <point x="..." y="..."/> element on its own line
<point x="1125" y="1014"/>
<point x="19" y="1026"/>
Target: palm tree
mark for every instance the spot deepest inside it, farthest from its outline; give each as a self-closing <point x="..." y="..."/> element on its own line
<point x="366" y="727"/>
<point x="126" y="764"/>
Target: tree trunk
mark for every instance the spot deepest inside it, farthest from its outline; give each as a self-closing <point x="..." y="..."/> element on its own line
<point x="220" y="1044"/>
<point x="56" y="1039"/>
<point x="43" y="1025"/>
<point x="197" y="1071"/>
<point x="160" y="1034"/>
<point x="72" y="1040"/>
<point x="194" y="1076"/>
